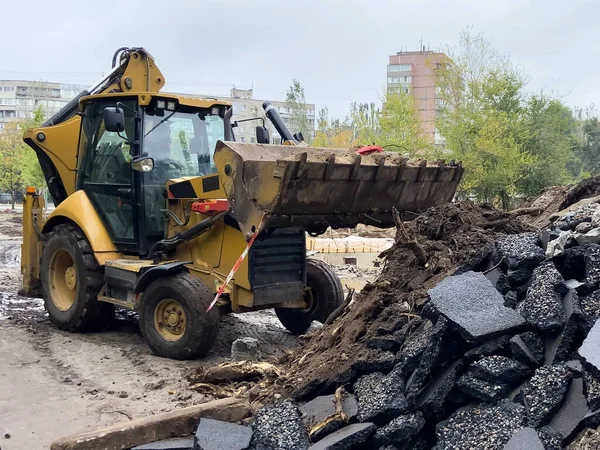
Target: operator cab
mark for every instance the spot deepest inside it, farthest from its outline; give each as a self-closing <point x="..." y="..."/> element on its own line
<point x="129" y="150"/>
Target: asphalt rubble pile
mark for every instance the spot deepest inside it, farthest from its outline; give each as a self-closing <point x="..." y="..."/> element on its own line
<point x="480" y="333"/>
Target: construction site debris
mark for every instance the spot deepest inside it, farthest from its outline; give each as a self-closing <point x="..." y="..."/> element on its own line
<point x="545" y="392"/>
<point x="245" y="349"/>
<point x="525" y="438"/>
<point x="590" y="350"/>
<point x="474" y="307"/>
<point x="217" y="435"/>
<point x="574" y="409"/>
<point x="168" y="444"/>
<point x="328" y="413"/>
<point x="279" y="427"/>
<point x="350" y="437"/>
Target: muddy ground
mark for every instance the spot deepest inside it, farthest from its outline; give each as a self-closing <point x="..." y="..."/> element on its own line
<point x="55" y="383"/>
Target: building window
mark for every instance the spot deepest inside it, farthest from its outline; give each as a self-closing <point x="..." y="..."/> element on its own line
<point x="243" y="129"/>
<point x="407" y="79"/>
<point x="242" y="139"/>
<point x="399" y="68"/>
<point x="1" y="126"/>
<point x="253" y="140"/>
<point x="276" y="141"/>
<point x="243" y="107"/>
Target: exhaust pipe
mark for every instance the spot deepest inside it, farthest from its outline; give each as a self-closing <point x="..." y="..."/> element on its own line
<point x="277" y="121"/>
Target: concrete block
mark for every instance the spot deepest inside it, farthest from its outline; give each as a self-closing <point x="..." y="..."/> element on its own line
<point x="380" y="397"/>
<point x="525" y="438"/>
<point x="545" y="392"/>
<point x="245" y="349"/>
<point x="499" y="369"/>
<point x="543" y="307"/>
<point x="474" y="308"/>
<point x="590" y="349"/>
<point x="180" y="422"/>
<point x="521" y="250"/>
<point x="401" y="430"/>
<point x="484" y="390"/>
<point x="569" y="417"/>
<point x="528" y="348"/>
<point x="216" y="435"/>
<point x="480" y="426"/>
<point x="279" y="427"/>
<point x="351" y="437"/>
<point x="323" y="407"/>
<point x="168" y="444"/>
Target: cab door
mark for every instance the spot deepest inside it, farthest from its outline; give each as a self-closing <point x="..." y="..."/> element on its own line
<point x="105" y="174"/>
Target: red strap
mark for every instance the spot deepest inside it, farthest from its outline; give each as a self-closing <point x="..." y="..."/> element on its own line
<point x="369" y="149"/>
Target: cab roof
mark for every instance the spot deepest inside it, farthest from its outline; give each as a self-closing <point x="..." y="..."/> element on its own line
<point x="145" y="98"/>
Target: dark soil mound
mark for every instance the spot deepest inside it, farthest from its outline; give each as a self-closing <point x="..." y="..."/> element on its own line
<point x="452" y="237"/>
<point x="590" y="187"/>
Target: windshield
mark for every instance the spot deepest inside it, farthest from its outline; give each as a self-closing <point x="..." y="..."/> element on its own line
<point x="181" y="143"/>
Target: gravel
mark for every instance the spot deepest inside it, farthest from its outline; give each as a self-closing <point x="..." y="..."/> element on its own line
<point x="543" y="307"/>
<point x="592" y="389"/>
<point x="480" y="427"/>
<point x="545" y="393"/>
<point x="279" y="427"/>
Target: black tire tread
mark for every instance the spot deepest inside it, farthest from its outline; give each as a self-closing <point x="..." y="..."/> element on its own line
<point x="93" y="311"/>
<point x="320" y="273"/>
<point x="201" y="339"/>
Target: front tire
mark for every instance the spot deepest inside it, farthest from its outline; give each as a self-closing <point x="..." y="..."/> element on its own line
<point x="173" y="317"/>
<point x="71" y="281"/>
<point x="325" y="294"/>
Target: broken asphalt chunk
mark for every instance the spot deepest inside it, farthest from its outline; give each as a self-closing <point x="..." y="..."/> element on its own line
<point x="499" y="369"/>
<point x="543" y="307"/>
<point x="525" y="438"/>
<point x="474" y="307"/>
<point x="432" y="398"/>
<point x="215" y="435"/>
<point x="168" y="444"/>
<point x="323" y="409"/>
<point x="521" y="250"/>
<point x="591" y="385"/>
<point x="559" y="348"/>
<point x="590" y="349"/>
<point x="351" y="437"/>
<point x="568" y="418"/>
<point x="480" y="426"/>
<point x="545" y="392"/>
<point x="245" y="349"/>
<point x="484" y="390"/>
<point x="528" y="348"/>
<point x="380" y="397"/>
<point x="279" y="427"/>
<point x="400" y="430"/>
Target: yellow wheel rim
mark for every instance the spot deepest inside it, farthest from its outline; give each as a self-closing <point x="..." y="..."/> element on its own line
<point x="63" y="280"/>
<point x="169" y="320"/>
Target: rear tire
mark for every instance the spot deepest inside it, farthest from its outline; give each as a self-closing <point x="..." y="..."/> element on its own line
<point x="173" y="317"/>
<point x="326" y="294"/>
<point x="71" y="280"/>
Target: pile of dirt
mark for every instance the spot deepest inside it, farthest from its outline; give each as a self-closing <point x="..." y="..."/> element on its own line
<point x="428" y="249"/>
<point x="590" y="187"/>
<point x="550" y="202"/>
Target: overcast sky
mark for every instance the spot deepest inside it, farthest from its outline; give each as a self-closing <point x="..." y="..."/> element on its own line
<point x="337" y="49"/>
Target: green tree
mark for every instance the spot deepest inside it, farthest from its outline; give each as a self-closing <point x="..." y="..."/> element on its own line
<point x="296" y="104"/>
<point x="551" y="143"/>
<point x="587" y="137"/>
<point x="18" y="162"/>
<point x="482" y="119"/>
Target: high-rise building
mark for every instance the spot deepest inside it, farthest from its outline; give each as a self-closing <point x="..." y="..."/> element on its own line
<point x="245" y="106"/>
<point x="19" y="98"/>
<point x="415" y="73"/>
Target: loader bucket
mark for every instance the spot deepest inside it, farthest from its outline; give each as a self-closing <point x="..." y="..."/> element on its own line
<point x="316" y="188"/>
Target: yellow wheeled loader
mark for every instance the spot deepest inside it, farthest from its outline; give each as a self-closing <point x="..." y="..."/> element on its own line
<point x="159" y="210"/>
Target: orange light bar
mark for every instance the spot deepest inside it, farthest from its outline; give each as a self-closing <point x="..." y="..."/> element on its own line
<point x="30" y="190"/>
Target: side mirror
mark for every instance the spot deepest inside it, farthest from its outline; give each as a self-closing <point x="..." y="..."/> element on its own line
<point x="262" y="135"/>
<point x="114" y="119"/>
<point x="142" y="164"/>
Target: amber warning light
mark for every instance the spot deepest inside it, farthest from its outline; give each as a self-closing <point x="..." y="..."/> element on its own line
<point x="30" y="190"/>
